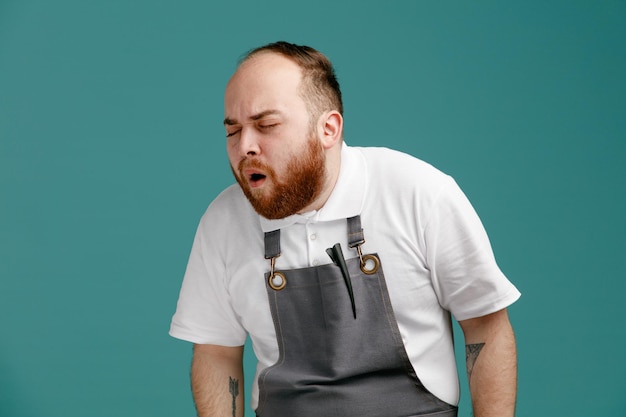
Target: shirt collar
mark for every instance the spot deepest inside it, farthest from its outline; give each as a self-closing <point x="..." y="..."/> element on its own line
<point x="346" y="199"/>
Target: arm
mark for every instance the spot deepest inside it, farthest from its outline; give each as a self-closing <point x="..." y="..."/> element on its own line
<point x="217" y="380"/>
<point x="491" y="361"/>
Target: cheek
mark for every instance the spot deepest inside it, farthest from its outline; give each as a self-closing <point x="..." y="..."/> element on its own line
<point x="233" y="155"/>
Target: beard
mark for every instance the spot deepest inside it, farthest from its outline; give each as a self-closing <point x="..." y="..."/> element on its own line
<point x="302" y="183"/>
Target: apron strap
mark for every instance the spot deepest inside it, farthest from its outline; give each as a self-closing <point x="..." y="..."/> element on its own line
<point x="272" y="244"/>
<point x="355" y="238"/>
<point x="355" y="232"/>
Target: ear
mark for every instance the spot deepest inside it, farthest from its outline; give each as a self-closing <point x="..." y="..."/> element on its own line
<point x="330" y="128"/>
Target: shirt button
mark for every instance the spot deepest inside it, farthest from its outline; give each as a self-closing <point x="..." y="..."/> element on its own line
<point x="313" y="236"/>
<point x="316" y="262"/>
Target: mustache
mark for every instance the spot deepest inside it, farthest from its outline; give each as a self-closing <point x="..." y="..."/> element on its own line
<point x="252" y="170"/>
<point x="246" y="163"/>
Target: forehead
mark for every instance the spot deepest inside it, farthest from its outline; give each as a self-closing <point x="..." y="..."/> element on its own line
<point x="266" y="81"/>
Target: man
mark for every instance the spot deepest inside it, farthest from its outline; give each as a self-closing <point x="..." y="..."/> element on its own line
<point x="343" y="265"/>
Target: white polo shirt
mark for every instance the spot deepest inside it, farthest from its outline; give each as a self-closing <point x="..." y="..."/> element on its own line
<point x="433" y="249"/>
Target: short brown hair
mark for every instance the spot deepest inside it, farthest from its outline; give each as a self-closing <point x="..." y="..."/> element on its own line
<point x="320" y="88"/>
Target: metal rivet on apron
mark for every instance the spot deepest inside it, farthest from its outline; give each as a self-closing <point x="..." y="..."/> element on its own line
<point x="369" y="264"/>
<point x="277" y="281"/>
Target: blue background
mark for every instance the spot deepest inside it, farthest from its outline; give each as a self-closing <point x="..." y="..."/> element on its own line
<point x="111" y="147"/>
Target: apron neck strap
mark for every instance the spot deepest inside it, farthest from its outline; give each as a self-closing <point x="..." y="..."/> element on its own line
<point x="272" y="244"/>
<point x="355" y="238"/>
<point x="355" y="232"/>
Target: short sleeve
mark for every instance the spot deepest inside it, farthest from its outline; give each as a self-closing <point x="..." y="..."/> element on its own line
<point x="465" y="275"/>
<point x="204" y="313"/>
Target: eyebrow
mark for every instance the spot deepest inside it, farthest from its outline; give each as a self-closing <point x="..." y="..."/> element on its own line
<point x="230" y="122"/>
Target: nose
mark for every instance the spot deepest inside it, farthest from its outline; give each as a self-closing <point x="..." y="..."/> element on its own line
<point x="248" y="143"/>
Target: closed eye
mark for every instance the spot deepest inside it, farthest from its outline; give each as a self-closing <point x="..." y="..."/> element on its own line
<point x="229" y="134"/>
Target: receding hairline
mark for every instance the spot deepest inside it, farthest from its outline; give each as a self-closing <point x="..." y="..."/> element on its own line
<point x="249" y="60"/>
<point x="304" y="82"/>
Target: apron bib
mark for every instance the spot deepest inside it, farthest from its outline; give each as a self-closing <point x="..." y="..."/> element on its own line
<point x="340" y="350"/>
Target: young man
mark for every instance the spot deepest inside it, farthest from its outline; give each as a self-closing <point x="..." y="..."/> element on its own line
<point x="343" y="265"/>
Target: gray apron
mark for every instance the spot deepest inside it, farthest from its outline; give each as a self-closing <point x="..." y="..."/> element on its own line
<point x="340" y="350"/>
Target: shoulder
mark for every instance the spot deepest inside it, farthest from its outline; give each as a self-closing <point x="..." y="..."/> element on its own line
<point x="398" y="170"/>
<point x="231" y="201"/>
<point x="229" y="214"/>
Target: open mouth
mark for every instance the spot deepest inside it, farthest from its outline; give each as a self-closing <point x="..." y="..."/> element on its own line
<point x="253" y="175"/>
<point x="256" y="179"/>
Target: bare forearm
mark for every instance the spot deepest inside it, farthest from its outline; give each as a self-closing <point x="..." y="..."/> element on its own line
<point x="492" y="367"/>
<point x="217" y="381"/>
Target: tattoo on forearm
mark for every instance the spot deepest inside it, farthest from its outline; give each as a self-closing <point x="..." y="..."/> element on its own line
<point x="233" y="386"/>
<point x="471" y="354"/>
